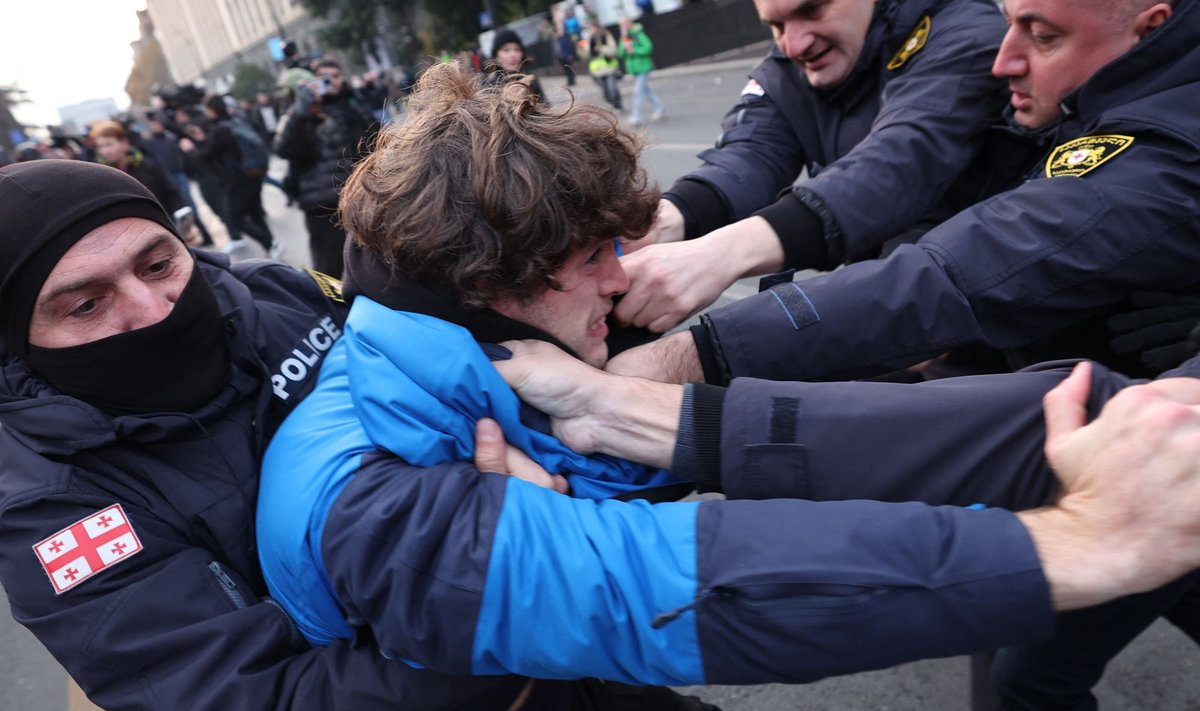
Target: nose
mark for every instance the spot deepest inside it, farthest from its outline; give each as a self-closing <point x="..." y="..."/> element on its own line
<point x="1010" y="62"/>
<point x="613" y="279"/>
<point x="795" y="39"/>
<point x="142" y="305"/>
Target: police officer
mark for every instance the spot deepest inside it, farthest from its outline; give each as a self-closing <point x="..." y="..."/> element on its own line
<point x="1110" y="207"/>
<point x="866" y="114"/>
<point x="136" y="401"/>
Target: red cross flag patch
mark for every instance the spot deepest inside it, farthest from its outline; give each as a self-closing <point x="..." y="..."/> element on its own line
<point x="86" y="547"/>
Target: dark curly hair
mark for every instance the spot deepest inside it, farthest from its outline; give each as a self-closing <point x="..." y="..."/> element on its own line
<point x="488" y="190"/>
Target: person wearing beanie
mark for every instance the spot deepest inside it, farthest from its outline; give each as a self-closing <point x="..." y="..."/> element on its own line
<point x="508" y="58"/>
<point x="139" y="384"/>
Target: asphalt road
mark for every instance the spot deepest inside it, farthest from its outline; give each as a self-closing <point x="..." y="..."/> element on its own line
<point x="1157" y="672"/>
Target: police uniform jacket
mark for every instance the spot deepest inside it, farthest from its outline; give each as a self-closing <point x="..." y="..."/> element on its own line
<point x="184" y="622"/>
<point x="1112" y="206"/>
<point x="887" y="148"/>
<point x="468" y="572"/>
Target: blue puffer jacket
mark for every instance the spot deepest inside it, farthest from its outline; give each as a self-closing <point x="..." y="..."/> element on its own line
<point x="1112" y="207"/>
<point x="470" y="572"/>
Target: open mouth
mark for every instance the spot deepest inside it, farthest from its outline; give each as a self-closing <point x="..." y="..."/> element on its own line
<point x="816" y="58"/>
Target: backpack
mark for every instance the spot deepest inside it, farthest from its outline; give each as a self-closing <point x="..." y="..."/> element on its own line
<point x="255" y="154"/>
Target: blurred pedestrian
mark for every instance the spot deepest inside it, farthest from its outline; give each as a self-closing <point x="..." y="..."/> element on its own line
<point x="324" y="132"/>
<point x="163" y="146"/>
<point x="509" y="57"/>
<point x="113" y="148"/>
<point x="603" y="64"/>
<point x="228" y="149"/>
<point x="635" y="49"/>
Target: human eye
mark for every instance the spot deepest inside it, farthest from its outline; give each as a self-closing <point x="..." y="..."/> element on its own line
<point x="85" y="308"/>
<point x="1040" y="35"/>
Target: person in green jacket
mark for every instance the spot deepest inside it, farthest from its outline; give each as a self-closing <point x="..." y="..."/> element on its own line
<point x="635" y="48"/>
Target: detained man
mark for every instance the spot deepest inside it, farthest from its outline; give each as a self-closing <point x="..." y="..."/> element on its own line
<point x="371" y="526"/>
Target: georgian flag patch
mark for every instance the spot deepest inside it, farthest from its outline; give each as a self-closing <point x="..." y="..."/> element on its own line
<point x="86" y="547"/>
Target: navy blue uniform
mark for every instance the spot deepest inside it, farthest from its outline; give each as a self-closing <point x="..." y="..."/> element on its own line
<point x="886" y="149"/>
<point x="1112" y="207"/>
<point x="185" y="623"/>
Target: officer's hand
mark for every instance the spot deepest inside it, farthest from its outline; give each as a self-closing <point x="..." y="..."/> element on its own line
<point x="593" y="411"/>
<point x="667" y="227"/>
<point x="1129" y="517"/>
<point x="565" y="388"/>
<point x="493" y="454"/>
<point x="670" y="282"/>
<point x="1163" y="328"/>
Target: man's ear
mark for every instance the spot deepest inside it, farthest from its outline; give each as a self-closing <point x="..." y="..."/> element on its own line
<point x="1151" y="19"/>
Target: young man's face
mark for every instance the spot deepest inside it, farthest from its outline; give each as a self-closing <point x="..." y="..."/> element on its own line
<point x="1053" y="46"/>
<point x="575" y="314"/>
<point x="124" y="275"/>
<point x="509" y="56"/>
<point x="823" y="37"/>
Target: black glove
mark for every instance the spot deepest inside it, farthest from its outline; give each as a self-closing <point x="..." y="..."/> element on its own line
<point x="1163" y="328"/>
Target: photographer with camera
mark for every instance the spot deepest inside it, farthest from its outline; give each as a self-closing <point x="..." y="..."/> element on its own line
<point x="325" y="131"/>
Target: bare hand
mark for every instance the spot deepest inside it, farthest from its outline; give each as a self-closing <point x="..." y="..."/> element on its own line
<point x="593" y="411"/>
<point x="668" y="283"/>
<point x="563" y="387"/>
<point x="186" y="145"/>
<point x="668" y="226"/>
<point x="1129" y="517"/>
<point x="493" y="454"/>
<point x="672" y="359"/>
<point x="193" y="238"/>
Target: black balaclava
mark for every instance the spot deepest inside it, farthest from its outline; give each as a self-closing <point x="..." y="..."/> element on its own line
<point x="45" y="208"/>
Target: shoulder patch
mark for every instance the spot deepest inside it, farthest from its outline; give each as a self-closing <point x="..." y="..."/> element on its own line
<point x="913" y="44"/>
<point x="753" y="88"/>
<point x="86" y="547"/>
<point x="1085" y="154"/>
<point x="332" y="288"/>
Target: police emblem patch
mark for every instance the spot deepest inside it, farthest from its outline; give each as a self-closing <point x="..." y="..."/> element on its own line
<point x="913" y="44"/>
<point x="86" y="547"/>
<point x="331" y="287"/>
<point x="1084" y="155"/>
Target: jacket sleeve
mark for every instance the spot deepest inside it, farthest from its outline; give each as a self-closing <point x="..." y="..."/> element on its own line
<point x="958" y="441"/>
<point x="472" y="572"/>
<point x="172" y="628"/>
<point x="297" y="139"/>
<point x="931" y="124"/>
<point x="757" y="155"/>
<point x="1007" y="272"/>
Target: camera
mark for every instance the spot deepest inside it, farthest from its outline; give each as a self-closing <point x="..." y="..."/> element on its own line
<point x="324" y="86"/>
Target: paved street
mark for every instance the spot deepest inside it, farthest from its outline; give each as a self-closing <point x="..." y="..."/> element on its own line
<point x="1157" y="673"/>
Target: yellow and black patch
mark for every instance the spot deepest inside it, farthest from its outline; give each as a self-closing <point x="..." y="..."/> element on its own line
<point x="913" y="44"/>
<point x="1084" y="155"/>
<point x="332" y="288"/>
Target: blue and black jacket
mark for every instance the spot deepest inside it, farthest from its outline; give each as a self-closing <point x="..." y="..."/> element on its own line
<point x="895" y="147"/>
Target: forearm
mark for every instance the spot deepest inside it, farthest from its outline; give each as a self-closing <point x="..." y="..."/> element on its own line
<point x="638" y="420"/>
